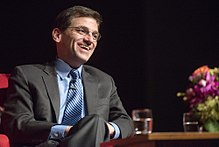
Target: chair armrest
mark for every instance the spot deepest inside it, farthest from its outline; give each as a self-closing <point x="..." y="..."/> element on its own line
<point x="4" y="141"/>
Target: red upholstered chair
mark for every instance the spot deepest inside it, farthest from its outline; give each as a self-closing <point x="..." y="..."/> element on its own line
<point x="3" y="87"/>
<point x="4" y="141"/>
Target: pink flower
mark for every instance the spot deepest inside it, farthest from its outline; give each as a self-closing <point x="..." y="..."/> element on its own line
<point x="203" y="84"/>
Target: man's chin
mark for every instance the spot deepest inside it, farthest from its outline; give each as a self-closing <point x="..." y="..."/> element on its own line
<point x="83" y="61"/>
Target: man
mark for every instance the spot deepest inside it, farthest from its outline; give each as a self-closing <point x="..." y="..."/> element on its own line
<point x="40" y="109"/>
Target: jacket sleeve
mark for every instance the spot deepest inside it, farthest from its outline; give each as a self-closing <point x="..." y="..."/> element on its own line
<point x="21" y="121"/>
<point x="118" y="114"/>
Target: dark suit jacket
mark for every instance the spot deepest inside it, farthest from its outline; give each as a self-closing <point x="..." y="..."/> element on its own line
<point x="32" y="106"/>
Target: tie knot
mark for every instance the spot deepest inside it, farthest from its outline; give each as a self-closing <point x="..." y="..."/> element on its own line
<point x="74" y="74"/>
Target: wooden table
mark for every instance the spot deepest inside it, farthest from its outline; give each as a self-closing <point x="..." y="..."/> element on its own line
<point x="168" y="139"/>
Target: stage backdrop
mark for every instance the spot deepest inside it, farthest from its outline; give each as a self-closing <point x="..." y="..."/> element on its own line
<point x="149" y="47"/>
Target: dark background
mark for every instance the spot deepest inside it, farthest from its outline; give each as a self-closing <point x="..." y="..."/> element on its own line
<point x="150" y="47"/>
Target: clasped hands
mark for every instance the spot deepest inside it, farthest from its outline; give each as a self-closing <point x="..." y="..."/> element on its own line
<point x="110" y="128"/>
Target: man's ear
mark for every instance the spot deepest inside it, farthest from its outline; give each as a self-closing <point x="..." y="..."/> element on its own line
<point x="56" y="35"/>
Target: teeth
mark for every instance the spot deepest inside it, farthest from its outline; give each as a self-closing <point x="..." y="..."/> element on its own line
<point x="86" y="47"/>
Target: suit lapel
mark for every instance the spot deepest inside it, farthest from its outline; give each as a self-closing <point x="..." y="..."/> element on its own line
<point x="52" y="88"/>
<point x="91" y="91"/>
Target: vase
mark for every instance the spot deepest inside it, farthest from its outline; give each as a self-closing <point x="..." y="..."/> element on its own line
<point x="211" y="126"/>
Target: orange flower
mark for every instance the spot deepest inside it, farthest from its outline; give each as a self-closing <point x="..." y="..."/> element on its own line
<point x="200" y="70"/>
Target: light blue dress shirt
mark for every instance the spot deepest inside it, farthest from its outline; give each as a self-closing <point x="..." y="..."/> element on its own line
<point x="63" y="69"/>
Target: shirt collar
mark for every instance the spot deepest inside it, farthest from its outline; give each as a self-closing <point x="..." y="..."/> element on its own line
<point x="63" y="69"/>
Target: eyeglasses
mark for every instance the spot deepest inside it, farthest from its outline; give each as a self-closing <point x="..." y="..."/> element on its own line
<point x="85" y="31"/>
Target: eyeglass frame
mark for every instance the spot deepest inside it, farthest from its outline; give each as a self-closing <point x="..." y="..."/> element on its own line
<point x="82" y="30"/>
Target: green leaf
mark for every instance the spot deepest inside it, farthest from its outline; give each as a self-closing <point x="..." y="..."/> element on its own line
<point x="211" y="126"/>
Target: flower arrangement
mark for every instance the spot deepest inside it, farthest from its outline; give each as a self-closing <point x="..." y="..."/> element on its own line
<point x="202" y="96"/>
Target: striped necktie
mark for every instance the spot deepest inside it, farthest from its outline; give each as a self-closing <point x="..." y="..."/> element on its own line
<point x="74" y="101"/>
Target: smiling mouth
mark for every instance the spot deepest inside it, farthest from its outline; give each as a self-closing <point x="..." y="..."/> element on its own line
<point x="85" y="47"/>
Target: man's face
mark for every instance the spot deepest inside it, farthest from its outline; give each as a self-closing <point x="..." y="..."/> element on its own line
<point x="74" y="45"/>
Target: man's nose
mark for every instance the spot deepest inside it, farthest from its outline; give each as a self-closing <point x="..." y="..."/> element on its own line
<point x="88" y="39"/>
<point x="89" y="36"/>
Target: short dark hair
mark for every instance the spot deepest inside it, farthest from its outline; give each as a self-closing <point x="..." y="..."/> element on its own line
<point x="63" y="19"/>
